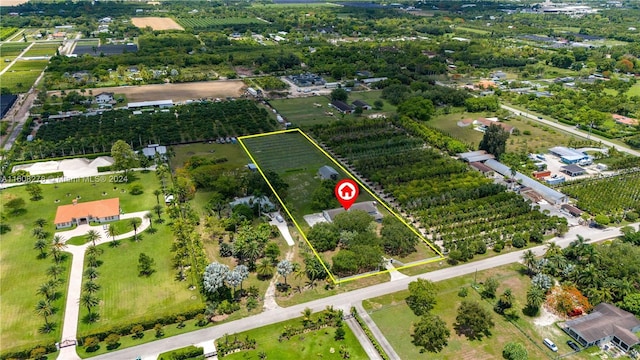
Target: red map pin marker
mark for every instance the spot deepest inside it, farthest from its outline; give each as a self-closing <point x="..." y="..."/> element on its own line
<point x="346" y="192"/>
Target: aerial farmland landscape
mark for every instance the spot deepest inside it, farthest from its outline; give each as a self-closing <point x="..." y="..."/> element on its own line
<point x="302" y="179"/>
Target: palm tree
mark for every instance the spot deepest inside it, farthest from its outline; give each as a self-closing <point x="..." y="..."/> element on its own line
<point x="306" y="316"/>
<point x="57" y="246"/>
<point x="150" y="218"/>
<point x="529" y="260"/>
<point x="54" y="271"/>
<point x="535" y="297"/>
<point x="134" y="222"/>
<point x="113" y="232"/>
<point x="47" y="290"/>
<point x="39" y="233"/>
<point x="552" y="249"/>
<point x="94" y="251"/>
<point x="89" y="301"/>
<point x="41" y="244"/>
<point x="40" y="222"/>
<point x="252" y="252"/>
<point x="93" y="235"/>
<point x="265" y="268"/>
<point x="90" y="287"/>
<point x="91" y="273"/>
<point x="157" y="193"/>
<point x="44" y="309"/>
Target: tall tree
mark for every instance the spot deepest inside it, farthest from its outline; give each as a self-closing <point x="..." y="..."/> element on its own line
<point x="422" y="296"/>
<point x="265" y="269"/>
<point x="93" y="235"/>
<point x="135" y="222"/>
<point x="57" y="246"/>
<point x="339" y="94"/>
<point x="123" y="156"/>
<point x="44" y="309"/>
<point x="145" y="265"/>
<point x="494" y="140"/>
<point x="35" y="191"/>
<point x="284" y="268"/>
<point x="514" y="351"/>
<point x="529" y="260"/>
<point x="430" y="333"/>
<point x="473" y="320"/>
<point x="89" y="301"/>
<point x="41" y="244"/>
<point x="113" y="231"/>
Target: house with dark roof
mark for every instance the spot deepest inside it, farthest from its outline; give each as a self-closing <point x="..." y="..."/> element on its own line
<point x="367" y="206"/>
<point x="328" y="173"/>
<point x="341" y="106"/>
<point x="573" y="170"/>
<point x="362" y="104"/>
<point x="606" y="323"/>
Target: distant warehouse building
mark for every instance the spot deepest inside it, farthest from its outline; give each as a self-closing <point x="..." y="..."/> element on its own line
<point x="547" y="193"/>
<point x="568" y="155"/>
<point x="6" y="102"/>
<point x="150" y="104"/>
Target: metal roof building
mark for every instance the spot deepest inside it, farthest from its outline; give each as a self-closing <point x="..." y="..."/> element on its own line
<point x="550" y="195"/>
<point x="568" y="155"/>
<point x="476" y="156"/>
<point x="158" y="103"/>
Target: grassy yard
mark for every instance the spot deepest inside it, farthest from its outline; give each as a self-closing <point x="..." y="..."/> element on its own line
<point x="539" y="139"/>
<point x="395" y="319"/>
<point x="21" y="272"/>
<point x="304" y="111"/>
<point x="315" y="344"/>
<point x="635" y="90"/>
<point x="19" y="81"/>
<point x="128" y="298"/>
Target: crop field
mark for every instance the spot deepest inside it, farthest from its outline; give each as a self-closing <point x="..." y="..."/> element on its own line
<point x="48" y="49"/>
<point x="6" y="32"/>
<point x="608" y="195"/>
<point x="439" y="191"/>
<point x="204" y="23"/>
<point x="20" y="81"/>
<point x="156" y="23"/>
<point x="12" y="49"/>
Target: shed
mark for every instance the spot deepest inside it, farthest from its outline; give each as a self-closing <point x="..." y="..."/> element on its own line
<point x="572" y="210"/>
<point x="252" y="167"/>
<point x="573" y="170"/>
<point x="362" y="104"/>
<point x="341" y="106"/>
<point x="328" y="173"/>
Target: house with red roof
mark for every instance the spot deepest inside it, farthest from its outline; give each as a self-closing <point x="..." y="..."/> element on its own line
<point x="82" y="213"/>
<point x="619" y="119"/>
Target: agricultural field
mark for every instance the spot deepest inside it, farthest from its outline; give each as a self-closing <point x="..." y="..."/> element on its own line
<point x="21" y="80"/>
<point x="607" y="195"/>
<point x="6" y="32"/>
<point x="268" y="83"/>
<point x="43" y="49"/>
<point x="156" y="23"/>
<point x="12" y="49"/>
<point x="439" y="191"/>
<point x="312" y="343"/>
<point x="395" y="319"/>
<point x="206" y="23"/>
<point x="232" y="152"/>
<point x="197" y="121"/>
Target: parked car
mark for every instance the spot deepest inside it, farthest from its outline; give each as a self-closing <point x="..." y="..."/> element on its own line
<point x="573" y="345"/>
<point x="550" y="345"/>
<point x="279" y="218"/>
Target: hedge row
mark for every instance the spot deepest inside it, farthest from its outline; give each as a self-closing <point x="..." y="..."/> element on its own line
<point x="26" y="354"/>
<point x="367" y="332"/>
<point x="186" y="353"/>
<point x="146" y="324"/>
<point x="104" y="168"/>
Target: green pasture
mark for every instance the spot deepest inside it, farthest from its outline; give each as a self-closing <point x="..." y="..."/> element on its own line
<point x="304" y="111"/>
<point x="318" y="344"/>
<point x="127" y="298"/>
<point x="232" y="152"/>
<point x="634" y="90"/>
<point x="395" y="319"/>
<point x="12" y="49"/>
<point x="20" y="81"/>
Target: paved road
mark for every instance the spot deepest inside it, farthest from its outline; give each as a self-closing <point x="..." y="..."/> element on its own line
<point x="345" y="300"/>
<point x="570" y="129"/>
<point x="382" y="340"/>
<point x="371" y="351"/>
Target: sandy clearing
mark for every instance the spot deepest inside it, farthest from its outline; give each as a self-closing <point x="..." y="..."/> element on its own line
<point x="175" y="92"/>
<point x="156" y="23"/>
<point x="12" y="2"/>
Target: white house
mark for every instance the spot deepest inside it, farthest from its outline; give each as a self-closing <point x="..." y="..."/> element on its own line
<point x="104" y="98"/>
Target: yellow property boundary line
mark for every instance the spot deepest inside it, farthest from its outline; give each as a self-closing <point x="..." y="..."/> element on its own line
<point x="380" y="201"/>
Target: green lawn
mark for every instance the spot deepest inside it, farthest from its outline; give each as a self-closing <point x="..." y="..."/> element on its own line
<point x="304" y="111"/>
<point x="634" y="90"/>
<point x="128" y="298"/>
<point x="19" y="81"/>
<point x="318" y="344"/>
<point x="394" y="318"/>
<point x="21" y="272"/>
